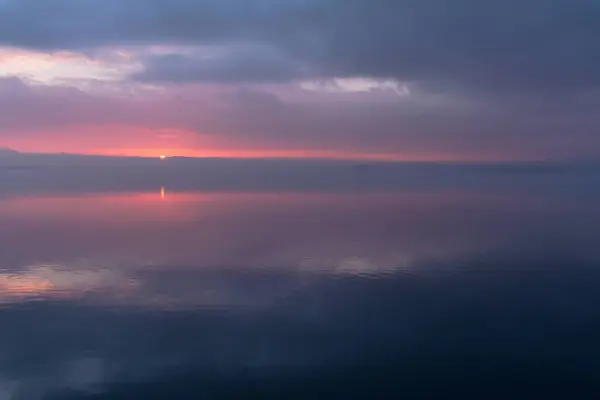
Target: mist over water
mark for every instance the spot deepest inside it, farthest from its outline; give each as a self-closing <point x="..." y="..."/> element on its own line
<point x="309" y="281"/>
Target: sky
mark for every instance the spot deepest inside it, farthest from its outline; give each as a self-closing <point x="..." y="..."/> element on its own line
<point x="467" y="80"/>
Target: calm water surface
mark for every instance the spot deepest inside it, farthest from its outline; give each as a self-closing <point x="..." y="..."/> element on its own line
<point x="414" y="293"/>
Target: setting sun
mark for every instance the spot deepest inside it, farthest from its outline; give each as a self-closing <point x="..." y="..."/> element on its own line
<point x="163" y="157"/>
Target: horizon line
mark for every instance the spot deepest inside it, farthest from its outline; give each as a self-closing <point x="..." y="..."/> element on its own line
<point x="340" y="159"/>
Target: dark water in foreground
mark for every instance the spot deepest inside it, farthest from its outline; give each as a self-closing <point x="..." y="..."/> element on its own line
<point x="306" y="294"/>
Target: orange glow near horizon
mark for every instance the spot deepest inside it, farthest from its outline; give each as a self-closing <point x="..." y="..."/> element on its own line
<point x="276" y="154"/>
<point x="268" y="153"/>
<point x="17" y="286"/>
<point x="156" y="143"/>
<point x="253" y="154"/>
<point x="242" y="153"/>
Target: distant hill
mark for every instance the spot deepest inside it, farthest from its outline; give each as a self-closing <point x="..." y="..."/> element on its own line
<point x="8" y="152"/>
<point x="13" y="158"/>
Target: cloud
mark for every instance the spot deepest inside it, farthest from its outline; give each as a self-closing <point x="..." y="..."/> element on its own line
<point x="26" y="107"/>
<point x="63" y="68"/>
<point x="480" y="46"/>
<point x="425" y="79"/>
<point x="256" y="118"/>
<point x="234" y="64"/>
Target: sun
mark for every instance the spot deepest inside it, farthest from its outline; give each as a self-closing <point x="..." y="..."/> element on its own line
<point x="163" y="157"/>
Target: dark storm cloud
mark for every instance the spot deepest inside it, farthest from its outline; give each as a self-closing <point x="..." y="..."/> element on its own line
<point x="83" y="24"/>
<point x="248" y="63"/>
<point x="537" y="45"/>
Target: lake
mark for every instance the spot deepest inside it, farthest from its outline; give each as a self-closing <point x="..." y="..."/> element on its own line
<point x="304" y="284"/>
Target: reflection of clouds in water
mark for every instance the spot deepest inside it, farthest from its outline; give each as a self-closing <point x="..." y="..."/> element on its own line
<point x="331" y="231"/>
<point x="544" y="319"/>
<point x="271" y="280"/>
<point x="162" y="287"/>
<point x="59" y="281"/>
<point x="357" y="266"/>
<point x="139" y="286"/>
